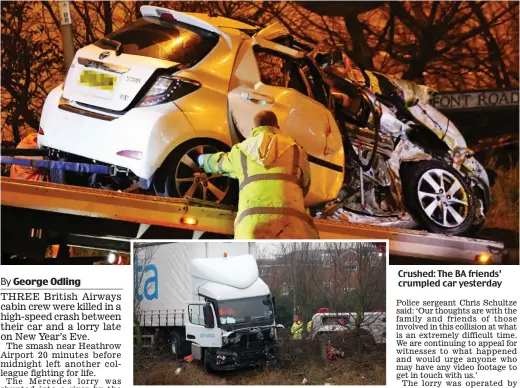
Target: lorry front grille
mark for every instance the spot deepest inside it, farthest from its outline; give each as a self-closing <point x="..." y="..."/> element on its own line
<point x="250" y="340"/>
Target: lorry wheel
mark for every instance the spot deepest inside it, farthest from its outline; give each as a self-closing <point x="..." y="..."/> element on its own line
<point x="438" y="197"/>
<point x="207" y="361"/>
<point x="175" y="345"/>
<point x="180" y="176"/>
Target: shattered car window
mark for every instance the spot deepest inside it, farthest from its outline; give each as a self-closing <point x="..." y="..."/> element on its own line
<point x="274" y="70"/>
<point x="162" y="40"/>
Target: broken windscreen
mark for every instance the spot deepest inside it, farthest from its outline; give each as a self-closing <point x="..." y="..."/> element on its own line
<point x="256" y="310"/>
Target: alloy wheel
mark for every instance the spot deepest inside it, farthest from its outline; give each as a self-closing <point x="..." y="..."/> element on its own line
<point x="443" y="198"/>
<point x="192" y="181"/>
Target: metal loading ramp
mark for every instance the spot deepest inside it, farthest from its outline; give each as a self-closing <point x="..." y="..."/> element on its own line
<point x="136" y="208"/>
<point x="195" y="215"/>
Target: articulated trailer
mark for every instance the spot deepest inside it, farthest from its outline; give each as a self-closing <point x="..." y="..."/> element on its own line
<point x="36" y="214"/>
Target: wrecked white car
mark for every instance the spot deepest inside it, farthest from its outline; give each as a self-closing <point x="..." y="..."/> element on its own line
<point x="405" y="156"/>
<point x="148" y="99"/>
<point x="371" y="323"/>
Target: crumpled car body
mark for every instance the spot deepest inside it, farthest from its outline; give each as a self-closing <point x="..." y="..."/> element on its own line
<point x="372" y="322"/>
<point x="421" y="171"/>
<point x="416" y="98"/>
<point x="416" y="146"/>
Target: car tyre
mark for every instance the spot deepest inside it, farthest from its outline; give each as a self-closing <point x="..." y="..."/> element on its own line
<point x="367" y="340"/>
<point x="180" y="176"/>
<point x="175" y="345"/>
<point x="438" y="197"/>
<point x="480" y="211"/>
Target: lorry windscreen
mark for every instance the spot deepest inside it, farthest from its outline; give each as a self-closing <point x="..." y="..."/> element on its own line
<point x="245" y="310"/>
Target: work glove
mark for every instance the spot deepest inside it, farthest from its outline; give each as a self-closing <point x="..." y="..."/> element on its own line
<point x="200" y="160"/>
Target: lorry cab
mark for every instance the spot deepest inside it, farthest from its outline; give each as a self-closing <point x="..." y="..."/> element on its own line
<point x="232" y="322"/>
<point x="216" y="308"/>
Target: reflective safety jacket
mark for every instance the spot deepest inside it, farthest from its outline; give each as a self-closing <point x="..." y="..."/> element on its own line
<point x="309" y="326"/>
<point x="273" y="174"/>
<point x="297" y="330"/>
<point x="26" y="172"/>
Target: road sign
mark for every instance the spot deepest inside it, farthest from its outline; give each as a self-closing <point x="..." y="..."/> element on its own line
<point x="476" y="100"/>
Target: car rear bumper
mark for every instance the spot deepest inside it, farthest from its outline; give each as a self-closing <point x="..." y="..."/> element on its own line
<point x="151" y="132"/>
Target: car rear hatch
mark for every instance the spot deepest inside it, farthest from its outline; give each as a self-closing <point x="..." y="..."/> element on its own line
<point x="117" y="71"/>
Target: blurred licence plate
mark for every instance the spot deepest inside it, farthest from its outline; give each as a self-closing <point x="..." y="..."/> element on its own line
<point x="97" y="80"/>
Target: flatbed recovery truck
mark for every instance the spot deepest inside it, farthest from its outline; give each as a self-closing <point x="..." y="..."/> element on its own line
<point x="48" y="213"/>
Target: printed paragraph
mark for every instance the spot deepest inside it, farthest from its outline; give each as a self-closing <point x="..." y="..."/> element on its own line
<point x="59" y="338"/>
<point x="449" y="342"/>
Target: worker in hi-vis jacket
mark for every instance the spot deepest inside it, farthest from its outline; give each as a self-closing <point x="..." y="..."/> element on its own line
<point x="27" y="172"/>
<point x="297" y="329"/>
<point x="274" y="176"/>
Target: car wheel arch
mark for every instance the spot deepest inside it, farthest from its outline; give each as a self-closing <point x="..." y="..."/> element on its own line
<point x="186" y="143"/>
<point x="164" y="182"/>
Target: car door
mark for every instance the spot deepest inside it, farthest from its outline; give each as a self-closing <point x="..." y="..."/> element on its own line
<point x="196" y="330"/>
<point x="268" y="76"/>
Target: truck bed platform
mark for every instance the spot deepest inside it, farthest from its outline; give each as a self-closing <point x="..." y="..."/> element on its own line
<point x="32" y="200"/>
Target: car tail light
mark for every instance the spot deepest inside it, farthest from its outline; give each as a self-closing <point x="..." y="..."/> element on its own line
<point x="381" y="249"/>
<point x="483" y="258"/>
<point x="168" y="88"/>
<point x="40" y="131"/>
<point x="167" y="16"/>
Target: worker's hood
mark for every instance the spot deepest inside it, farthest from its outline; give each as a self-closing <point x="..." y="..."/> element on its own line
<point x="268" y="145"/>
<point x="29" y="142"/>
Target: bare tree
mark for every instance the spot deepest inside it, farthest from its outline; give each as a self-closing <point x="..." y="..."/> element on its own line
<point x="423" y="41"/>
<point x="299" y="266"/>
<point x="143" y="256"/>
<point x="28" y="68"/>
<point x="358" y="285"/>
<point x="357" y="46"/>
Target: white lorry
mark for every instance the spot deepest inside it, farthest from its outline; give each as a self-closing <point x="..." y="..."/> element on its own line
<point x="208" y="300"/>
